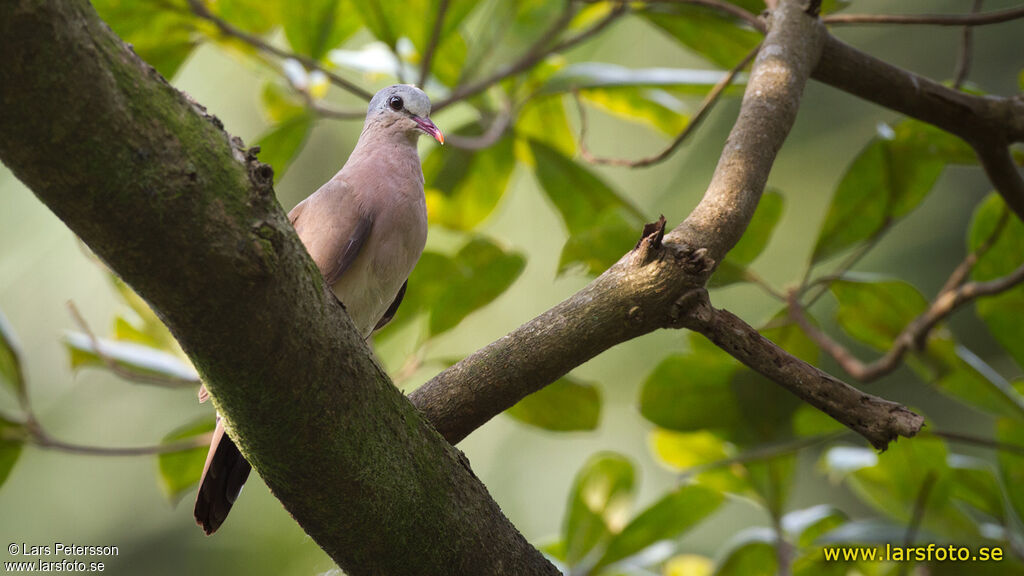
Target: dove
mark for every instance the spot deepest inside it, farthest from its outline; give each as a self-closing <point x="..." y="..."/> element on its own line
<point x="365" y="229"/>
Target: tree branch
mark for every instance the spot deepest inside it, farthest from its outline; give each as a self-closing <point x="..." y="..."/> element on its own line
<point x="988" y="123"/>
<point x="142" y="174"/>
<point x="953" y="296"/>
<point x="659" y="284"/>
<point x="995" y="17"/>
<point x="879" y="421"/>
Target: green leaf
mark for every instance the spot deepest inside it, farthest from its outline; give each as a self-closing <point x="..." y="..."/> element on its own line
<point x="809" y="421"/>
<point x="754" y="240"/>
<point x="685" y="450"/>
<point x="312" y="27"/>
<point x="126" y="331"/>
<point x="887" y="180"/>
<point x="160" y="31"/>
<point x="484" y="272"/>
<point x="669" y="517"/>
<point x="12" y="437"/>
<point x="1011" y="464"/>
<point x="130" y="355"/>
<point x="415" y="20"/>
<point x="750" y="553"/>
<point x="565" y="405"/>
<point x="959" y="373"/>
<point x="585" y="76"/>
<point x="180" y="470"/>
<point x="689" y="452"/>
<point x="449" y="288"/>
<point x="594" y="214"/>
<point x="579" y="195"/>
<point x="1002" y="312"/>
<point x="543" y="120"/>
<point x="280" y="146"/>
<point x="721" y="40"/>
<point x="688" y="565"/>
<point x="598" y="502"/>
<point x="253" y="16"/>
<point x="655" y="108"/>
<point x="808" y="524"/>
<point x="464" y="186"/>
<point x="595" y="249"/>
<point x="892" y="486"/>
<point x="875" y="312"/>
<point x="151" y="325"/>
<point x="688" y="392"/>
<point x="10" y="359"/>
<point x="975" y="483"/>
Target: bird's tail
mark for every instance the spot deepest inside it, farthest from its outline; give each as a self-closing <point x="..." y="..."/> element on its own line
<point x="223" y="476"/>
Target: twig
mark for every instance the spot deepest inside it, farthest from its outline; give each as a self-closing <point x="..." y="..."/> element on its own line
<point x="327" y="111"/>
<point x="435" y="38"/>
<point x="783" y="549"/>
<point x="497" y="128"/>
<point x="120" y="370"/>
<point x="995" y="17"/>
<point x="535" y="54"/>
<point x="705" y="107"/>
<point x="920" y="505"/>
<point x="763" y="284"/>
<point x="226" y="28"/>
<point x="878" y="420"/>
<point x="963" y="64"/>
<point x="913" y="335"/>
<point x="976" y="441"/>
<point x="823" y="282"/>
<point x="51" y="443"/>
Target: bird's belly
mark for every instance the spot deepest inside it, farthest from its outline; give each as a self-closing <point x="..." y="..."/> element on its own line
<point x="365" y="299"/>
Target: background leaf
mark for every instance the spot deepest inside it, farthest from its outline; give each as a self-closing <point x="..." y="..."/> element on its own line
<point x="721" y="40"/>
<point x="179" y="471"/>
<point x="464" y="186"/>
<point x="759" y="232"/>
<point x="590" y="209"/>
<point x="598" y="503"/>
<point x="565" y="405"/>
<point x="449" y="288"/>
<point x="313" y="27"/>
<point x="1002" y="313"/>
<point x="10" y="359"/>
<point x="887" y="180"/>
<point x="132" y="356"/>
<point x="160" y="31"/>
<point x="669" y="517"/>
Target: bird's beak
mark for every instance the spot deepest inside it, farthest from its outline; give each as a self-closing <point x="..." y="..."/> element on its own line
<point x="427" y="126"/>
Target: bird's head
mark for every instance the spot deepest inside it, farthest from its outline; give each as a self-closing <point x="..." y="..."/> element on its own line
<point x="405" y="108"/>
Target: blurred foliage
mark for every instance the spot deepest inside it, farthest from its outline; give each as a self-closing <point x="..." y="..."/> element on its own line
<point x="725" y="431"/>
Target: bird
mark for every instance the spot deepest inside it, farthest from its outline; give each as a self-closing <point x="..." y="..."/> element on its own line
<point x="365" y="229"/>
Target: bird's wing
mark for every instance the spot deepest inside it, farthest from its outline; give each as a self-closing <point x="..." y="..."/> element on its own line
<point x="333" y="228"/>
<point x="390" y="312"/>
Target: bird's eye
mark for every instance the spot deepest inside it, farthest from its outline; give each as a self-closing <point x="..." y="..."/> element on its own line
<point x="395" y="102"/>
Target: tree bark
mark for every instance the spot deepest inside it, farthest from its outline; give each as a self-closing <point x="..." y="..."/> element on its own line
<point x="179" y="210"/>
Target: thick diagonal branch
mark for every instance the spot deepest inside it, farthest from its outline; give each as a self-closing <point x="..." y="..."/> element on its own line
<point x="157" y="189"/>
<point x="654" y="285"/>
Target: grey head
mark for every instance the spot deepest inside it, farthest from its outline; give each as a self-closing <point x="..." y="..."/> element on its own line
<point x="405" y="108"/>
